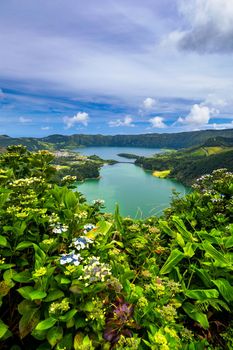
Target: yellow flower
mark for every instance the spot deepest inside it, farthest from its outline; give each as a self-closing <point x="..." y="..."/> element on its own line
<point x="40" y="272"/>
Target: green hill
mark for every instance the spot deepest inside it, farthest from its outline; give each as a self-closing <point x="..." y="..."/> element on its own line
<point x="189" y="164"/>
<point x="165" y="140"/>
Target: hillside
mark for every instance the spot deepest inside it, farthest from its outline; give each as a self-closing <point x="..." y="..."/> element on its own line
<point x="155" y="140"/>
<point x="189" y="164"/>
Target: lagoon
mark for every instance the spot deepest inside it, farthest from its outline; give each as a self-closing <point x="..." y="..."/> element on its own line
<point x="138" y="193"/>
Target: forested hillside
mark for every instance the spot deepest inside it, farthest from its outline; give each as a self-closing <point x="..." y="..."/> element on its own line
<point x="189" y="164"/>
<point x="174" y="140"/>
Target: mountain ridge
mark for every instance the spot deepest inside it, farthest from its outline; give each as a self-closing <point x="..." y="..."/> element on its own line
<point x="154" y="140"/>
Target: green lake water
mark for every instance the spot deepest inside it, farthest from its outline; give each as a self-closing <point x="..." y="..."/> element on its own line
<point x="138" y="193"/>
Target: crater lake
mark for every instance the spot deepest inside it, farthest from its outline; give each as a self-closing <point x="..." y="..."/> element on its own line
<point x="138" y="193"/>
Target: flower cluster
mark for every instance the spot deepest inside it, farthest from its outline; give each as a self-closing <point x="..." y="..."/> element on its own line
<point x="53" y="218"/>
<point x="40" y="272"/>
<point x="59" y="308"/>
<point x="69" y="179"/>
<point x="81" y="242"/>
<point x="48" y="242"/>
<point x="168" y="312"/>
<point x="60" y="228"/>
<point x="23" y="213"/>
<point x="71" y="258"/>
<point x="26" y="182"/>
<point x="98" y="312"/>
<point x="98" y="202"/>
<point x="95" y="271"/>
<point x="81" y="215"/>
<point x="88" y="227"/>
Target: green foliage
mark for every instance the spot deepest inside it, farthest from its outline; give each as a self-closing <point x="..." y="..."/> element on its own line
<point x="75" y="278"/>
<point x="189" y="164"/>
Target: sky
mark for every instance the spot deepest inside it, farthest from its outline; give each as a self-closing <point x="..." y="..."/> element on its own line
<point x="115" y="66"/>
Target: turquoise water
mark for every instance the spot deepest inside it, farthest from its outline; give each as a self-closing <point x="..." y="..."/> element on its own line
<point x="112" y="152"/>
<point x="138" y="193"/>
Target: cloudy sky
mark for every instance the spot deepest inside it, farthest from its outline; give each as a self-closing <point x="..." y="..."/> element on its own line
<point x="115" y="66"/>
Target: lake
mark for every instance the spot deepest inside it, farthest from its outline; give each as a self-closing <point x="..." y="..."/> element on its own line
<point x="138" y="193"/>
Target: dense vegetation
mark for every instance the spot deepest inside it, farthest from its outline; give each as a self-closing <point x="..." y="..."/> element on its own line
<point x="78" y="166"/>
<point x="175" y="140"/>
<point x="189" y="164"/>
<point x="75" y="278"/>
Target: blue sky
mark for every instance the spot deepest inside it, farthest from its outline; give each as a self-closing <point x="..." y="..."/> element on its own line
<point x="115" y="66"/>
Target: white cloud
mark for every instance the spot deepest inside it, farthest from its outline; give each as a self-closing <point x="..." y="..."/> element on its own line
<point x="222" y="126"/>
<point x="25" y="120"/>
<point x="149" y="103"/>
<point x="157" y="122"/>
<point x="45" y="127"/>
<point x="79" y="118"/>
<point x="199" y="115"/>
<point x="127" y="121"/>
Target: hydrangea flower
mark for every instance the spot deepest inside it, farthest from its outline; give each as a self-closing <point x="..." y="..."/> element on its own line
<point x="81" y="242"/>
<point x="60" y="228"/>
<point x="70" y="258"/>
<point x="59" y="308"/>
<point x="95" y="271"/>
<point x="88" y="227"/>
<point x="98" y="202"/>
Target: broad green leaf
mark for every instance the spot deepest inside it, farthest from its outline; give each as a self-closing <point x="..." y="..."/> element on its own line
<point x="25" y="306"/>
<point x="28" y="321"/>
<point x="68" y="315"/>
<point x="25" y="292"/>
<point x="54" y="335"/>
<point x="22" y="277"/>
<point x="215" y="254"/>
<point x="180" y="226"/>
<point x="229" y="242"/>
<point x="225" y="289"/>
<point x="6" y="266"/>
<point x="164" y="227"/>
<point x="180" y="240"/>
<point x="189" y="249"/>
<point x="202" y="294"/>
<point x="40" y="256"/>
<point x="54" y="295"/>
<point x="37" y="294"/>
<point x="196" y="315"/>
<point x="3" y="329"/>
<point x="8" y="275"/>
<point x="3" y="241"/>
<point x="46" y="324"/>
<point x="103" y="227"/>
<point x="174" y="258"/>
<point x="24" y="245"/>
<point x="204" y="276"/>
<point x="5" y="287"/>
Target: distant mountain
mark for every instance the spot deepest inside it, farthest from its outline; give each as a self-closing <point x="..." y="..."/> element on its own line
<point x="155" y="140"/>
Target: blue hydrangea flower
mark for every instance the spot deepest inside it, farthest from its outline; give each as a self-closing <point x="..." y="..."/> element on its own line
<point x="60" y="228"/>
<point x="88" y="227"/>
<point x="71" y="258"/>
<point x="81" y="242"/>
